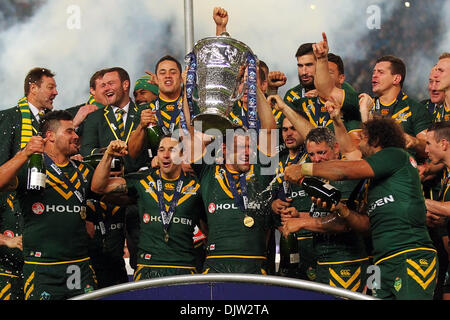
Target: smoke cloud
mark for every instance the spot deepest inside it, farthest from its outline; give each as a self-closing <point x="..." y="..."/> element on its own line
<point x="135" y="34"/>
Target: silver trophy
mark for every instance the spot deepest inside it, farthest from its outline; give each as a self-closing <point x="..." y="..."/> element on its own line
<point x="220" y="67"/>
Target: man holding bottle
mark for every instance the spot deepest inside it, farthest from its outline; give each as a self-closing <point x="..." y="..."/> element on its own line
<point x="56" y="261"/>
<point x="170" y="207"/>
<point x="395" y="212"/>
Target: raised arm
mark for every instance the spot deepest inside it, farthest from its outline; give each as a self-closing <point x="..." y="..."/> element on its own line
<point x="139" y="135"/>
<point x="102" y="183"/>
<point x="347" y="147"/>
<point x="300" y="123"/>
<point x="268" y="123"/>
<point x="220" y="17"/>
<point x="322" y="79"/>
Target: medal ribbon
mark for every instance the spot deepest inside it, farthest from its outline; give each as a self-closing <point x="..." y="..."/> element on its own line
<point x="191" y="82"/>
<point x="173" y="118"/>
<point x="52" y="165"/>
<point x="166" y="216"/>
<point x="240" y="200"/>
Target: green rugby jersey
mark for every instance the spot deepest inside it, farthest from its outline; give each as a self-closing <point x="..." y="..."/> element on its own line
<point x="11" y="225"/>
<point x="315" y="111"/>
<point x="109" y="222"/>
<point x="412" y="116"/>
<point x="438" y="112"/>
<point x="54" y="221"/>
<point x="396" y="206"/>
<point x="298" y="92"/>
<point x="335" y="247"/>
<point x="152" y="248"/>
<point x="227" y="234"/>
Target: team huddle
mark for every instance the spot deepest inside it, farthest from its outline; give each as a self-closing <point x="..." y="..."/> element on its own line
<point x="185" y="202"/>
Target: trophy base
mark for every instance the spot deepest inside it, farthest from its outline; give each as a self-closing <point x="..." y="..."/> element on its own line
<point x="213" y="121"/>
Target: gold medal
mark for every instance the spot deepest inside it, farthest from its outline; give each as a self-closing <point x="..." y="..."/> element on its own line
<point x="166" y="237"/>
<point x="248" y="221"/>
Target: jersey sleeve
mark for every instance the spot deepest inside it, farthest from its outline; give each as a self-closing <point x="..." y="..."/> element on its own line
<point x="386" y="161"/>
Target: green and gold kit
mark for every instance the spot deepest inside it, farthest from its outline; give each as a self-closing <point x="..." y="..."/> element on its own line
<point x="401" y="243"/>
<point x="235" y="231"/>
<point x="317" y="114"/>
<point x="156" y="248"/>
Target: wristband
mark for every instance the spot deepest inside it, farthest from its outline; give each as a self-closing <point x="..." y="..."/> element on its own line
<point x="307" y="169"/>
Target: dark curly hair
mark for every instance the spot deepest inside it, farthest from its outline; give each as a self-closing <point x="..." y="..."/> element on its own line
<point x="384" y="132"/>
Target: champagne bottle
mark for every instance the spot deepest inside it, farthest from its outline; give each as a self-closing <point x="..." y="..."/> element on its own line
<point x="289" y="256"/>
<point x="93" y="160"/>
<point x="318" y="189"/>
<point x="154" y="135"/>
<point x="36" y="173"/>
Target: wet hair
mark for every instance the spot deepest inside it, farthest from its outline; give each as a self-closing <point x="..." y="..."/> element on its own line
<point x="384" y="132"/>
<point x="35" y="75"/>
<point x="168" y="58"/>
<point x="321" y="134"/>
<point x="441" y="130"/>
<point x="397" y="66"/>
<point x="50" y="121"/>
<point x="337" y="60"/>
<point x="305" y="48"/>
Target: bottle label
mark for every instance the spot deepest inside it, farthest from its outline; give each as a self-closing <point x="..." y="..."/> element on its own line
<point x="37" y="179"/>
<point x="294" y="258"/>
<point x="328" y="186"/>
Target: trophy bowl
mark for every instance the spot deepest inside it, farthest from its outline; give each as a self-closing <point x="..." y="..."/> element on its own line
<point x="220" y="67"/>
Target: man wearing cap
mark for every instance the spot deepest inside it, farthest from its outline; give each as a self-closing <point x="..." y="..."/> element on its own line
<point x="145" y="91"/>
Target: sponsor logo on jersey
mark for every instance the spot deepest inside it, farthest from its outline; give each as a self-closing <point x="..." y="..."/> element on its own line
<point x="147" y="256"/>
<point x="45" y="296"/>
<point x="212" y="247"/>
<point x="37" y="208"/>
<point x="190" y="190"/>
<point x="146" y="218"/>
<point x="169" y="186"/>
<point x="379" y="203"/>
<point x="62" y="208"/>
<point x="397" y="284"/>
<point x="175" y="220"/>
<point x="38" y="254"/>
<point x="212" y="207"/>
<point x="8" y="233"/>
<point x="88" y="288"/>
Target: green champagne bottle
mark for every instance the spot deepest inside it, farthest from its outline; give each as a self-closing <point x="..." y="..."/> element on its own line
<point x="36" y="173"/>
<point x="289" y="256"/>
<point x="154" y="135"/>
